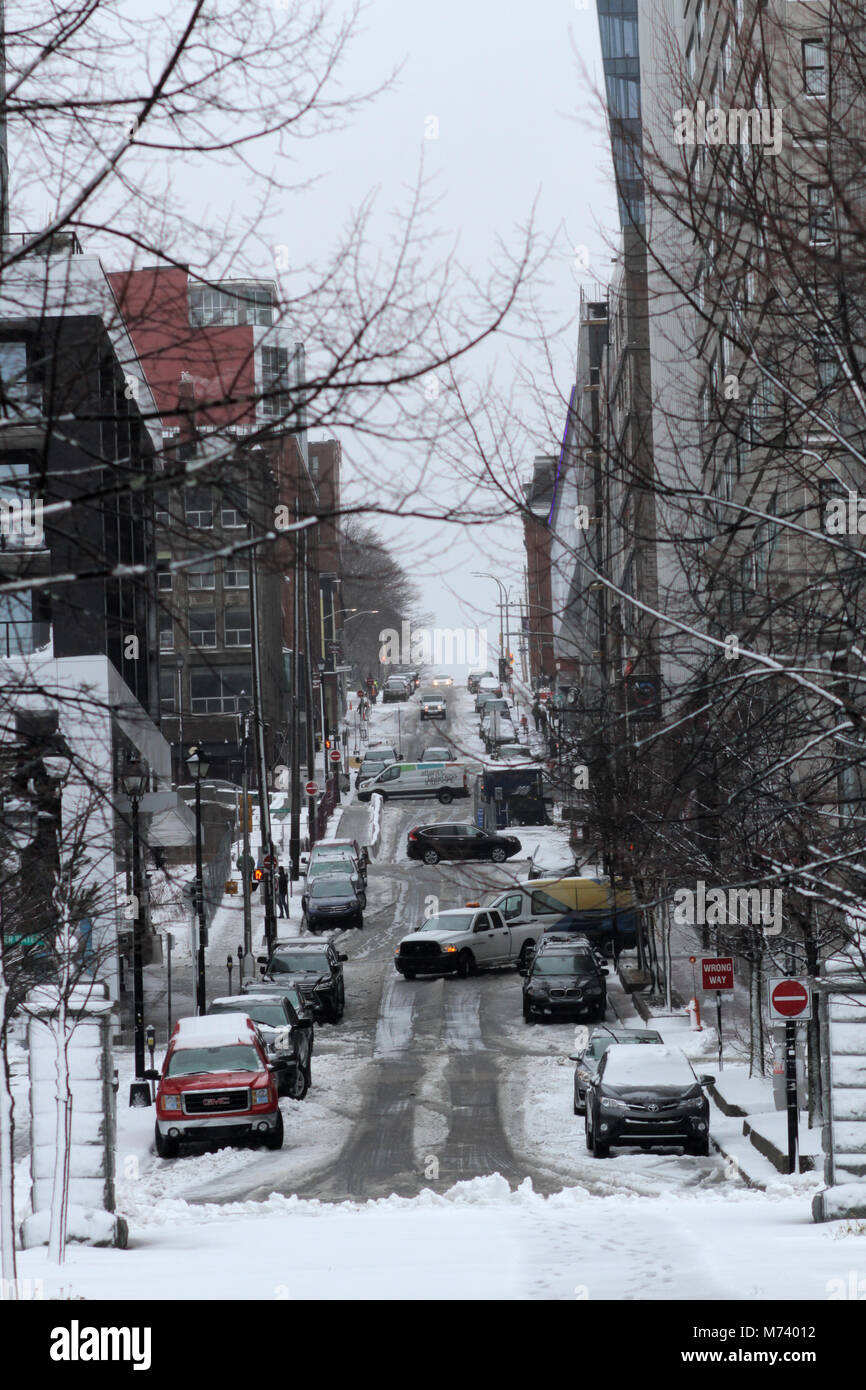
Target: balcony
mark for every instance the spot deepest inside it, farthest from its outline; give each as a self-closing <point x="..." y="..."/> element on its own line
<point x="24" y="637"/>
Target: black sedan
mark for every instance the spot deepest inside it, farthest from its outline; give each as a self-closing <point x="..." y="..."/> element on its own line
<point x="288" y="1037"/>
<point x="461" y="841"/>
<point x="589" y="1058"/>
<point x="647" y="1097"/>
<point x="333" y="902"/>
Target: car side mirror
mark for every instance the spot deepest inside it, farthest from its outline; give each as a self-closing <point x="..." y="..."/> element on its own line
<point x="343" y="956"/>
<point x="707" y="1080"/>
<point x="261" y="960"/>
<point x="604" y="970"/>
<point x="152" y="1075"/>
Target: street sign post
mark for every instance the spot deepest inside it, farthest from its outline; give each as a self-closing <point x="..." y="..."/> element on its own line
<point x="312" y="788"/>
<point x="790" y="999"/>
<point x="717" y="975"/>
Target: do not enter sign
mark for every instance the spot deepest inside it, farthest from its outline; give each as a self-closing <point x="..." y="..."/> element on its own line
<point x="334" y="755"/>
<point x="311" y="788"/>
<point x="789" y="999"/>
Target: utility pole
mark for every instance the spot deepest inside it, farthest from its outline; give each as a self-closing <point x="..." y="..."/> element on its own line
<point x="261" y="756"/>
<point x="4" y="148"/>
<point x="308" y="700"/>
<point x="295" y="797"/>
<point x="243" y="733"/>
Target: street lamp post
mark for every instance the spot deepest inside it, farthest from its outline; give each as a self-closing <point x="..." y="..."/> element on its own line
<point x="504" y="605"/>
<point x="243" y="736"/>
<point x="134" y="780"/>
<point x="198" y="769"/>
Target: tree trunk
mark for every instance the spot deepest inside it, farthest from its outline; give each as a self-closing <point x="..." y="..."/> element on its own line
<point x="63" y="1127"/>
<point x="756" y="1021"/>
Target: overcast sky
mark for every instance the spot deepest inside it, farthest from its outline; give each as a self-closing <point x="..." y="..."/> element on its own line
<point x="518" y="120"/>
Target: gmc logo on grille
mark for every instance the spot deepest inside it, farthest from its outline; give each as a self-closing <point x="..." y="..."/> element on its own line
<point x="215" y="1100"/>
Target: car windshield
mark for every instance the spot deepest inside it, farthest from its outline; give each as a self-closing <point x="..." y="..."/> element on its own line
<point x="271" y="1014"/>
<point x="331" y="854"/>
<point x="543" y="903"/>
<point x="598" y="1047"/>
<point x="196" y="1061"/>
<point x="431" y="695"/>
<point x="459" y="921"/>
<point x="332" y="888"/>
<point x="298" y="963"/>
<point x="565" y="963"/>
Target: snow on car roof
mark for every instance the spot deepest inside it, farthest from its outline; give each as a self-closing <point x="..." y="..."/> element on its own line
<point x="299" y="943"/>
<point x="213" y="1030"/>
<point x="238" y="1000"/>
<point x="654" y="1064"/>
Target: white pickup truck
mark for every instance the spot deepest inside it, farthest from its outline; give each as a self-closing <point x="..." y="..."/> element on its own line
<point x="461" y="941"/>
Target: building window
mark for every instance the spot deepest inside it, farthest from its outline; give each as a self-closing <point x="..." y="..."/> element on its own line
<point x="238" y="629"/>
<point x="236" y="575"/>
<point x="201" y="575"/>
<point x="245" y="304"/>
<point x="167" y="691"/>
<point x="18" y="394"/>
<point x="160" y="508"/>
<point x="275" y="381"/>
<point x="164" y="579"/>
<point x="199" y="508"/>
<point x="202" y="627"/>
<point x="166" y="632"/>
<point x="815" y="67"/>
<point x="820" y="214"/>
<point x="234" y="511"/>
<point x="826" y="363"/>
<point x="217" y="692"/>
<point x="618" y="36"/>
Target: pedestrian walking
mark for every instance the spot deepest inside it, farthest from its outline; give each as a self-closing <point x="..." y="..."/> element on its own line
<point x="536" y="713"/>
<point x="283" y="892"/>
<point x="524" y="724"/>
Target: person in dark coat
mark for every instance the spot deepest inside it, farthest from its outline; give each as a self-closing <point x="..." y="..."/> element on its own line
<point x="282" y="892"/>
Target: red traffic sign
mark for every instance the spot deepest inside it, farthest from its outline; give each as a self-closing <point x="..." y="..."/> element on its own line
<point x="334" y="755"/>
<point x="268" y="862"/>
<point x="311" y="788"/>
<point x="717" y="972"/>
<point x="789" y="999"/>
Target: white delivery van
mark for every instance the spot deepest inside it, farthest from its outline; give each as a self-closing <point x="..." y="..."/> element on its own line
<point x="444" y="780"/>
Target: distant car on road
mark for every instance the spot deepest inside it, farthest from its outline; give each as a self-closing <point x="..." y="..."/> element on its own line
<point x="600" y="1039"/>
<point x="395" y="688"/>
<point x="433" y="705"/>
<point x="288" y="1037"/>
<point x="475" y="677"/>
<point x="435" y="755"/>
<point x="442" y="680"/>
<point x="459" y="840"/>
<point x="564" y="979"/>
<point x="647" y="1096"/>
<point x="459" y="941"/>
<point x="443" y="780"/>
<point x="383" y="753"/>
<point x="315" y="968"/>
<point x="333" y="903"/>
<point x="338" y="855"/>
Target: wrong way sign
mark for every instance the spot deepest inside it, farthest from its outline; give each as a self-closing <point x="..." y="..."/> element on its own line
<point x="789" y="999"/>
<point x="717" y="972"/>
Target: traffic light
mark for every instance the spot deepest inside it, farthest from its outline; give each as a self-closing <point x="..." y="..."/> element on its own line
<point x="255" y="879"/>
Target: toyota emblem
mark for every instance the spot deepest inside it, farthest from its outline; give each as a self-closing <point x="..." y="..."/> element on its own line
<point x="652" y="1106"/>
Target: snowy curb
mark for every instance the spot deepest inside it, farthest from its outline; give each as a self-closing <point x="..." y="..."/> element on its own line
<point x="375" y="824"/>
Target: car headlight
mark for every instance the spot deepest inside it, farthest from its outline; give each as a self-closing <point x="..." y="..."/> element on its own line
<point x="170" y="1102"/>
<point x="694" y="1103"/>
<point x="449" y="950"/>
<point x="613" y="1103"/>
<point x="583" y="1074"/>
<point x="261" y="1095"/>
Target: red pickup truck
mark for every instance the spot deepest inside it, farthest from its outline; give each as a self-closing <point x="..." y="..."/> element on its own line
<point x="216" y="1084"/>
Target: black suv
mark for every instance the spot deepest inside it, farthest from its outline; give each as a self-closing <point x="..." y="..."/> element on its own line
<point x="315" y="969"/>
<point x="589" y="1058"/>
<point x="289" y="1039"/>
<point x="564" y="979"/>
<point x="332" y="902"/>
<point x="647" y="1096"/>
<point x="462" y="841"/>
